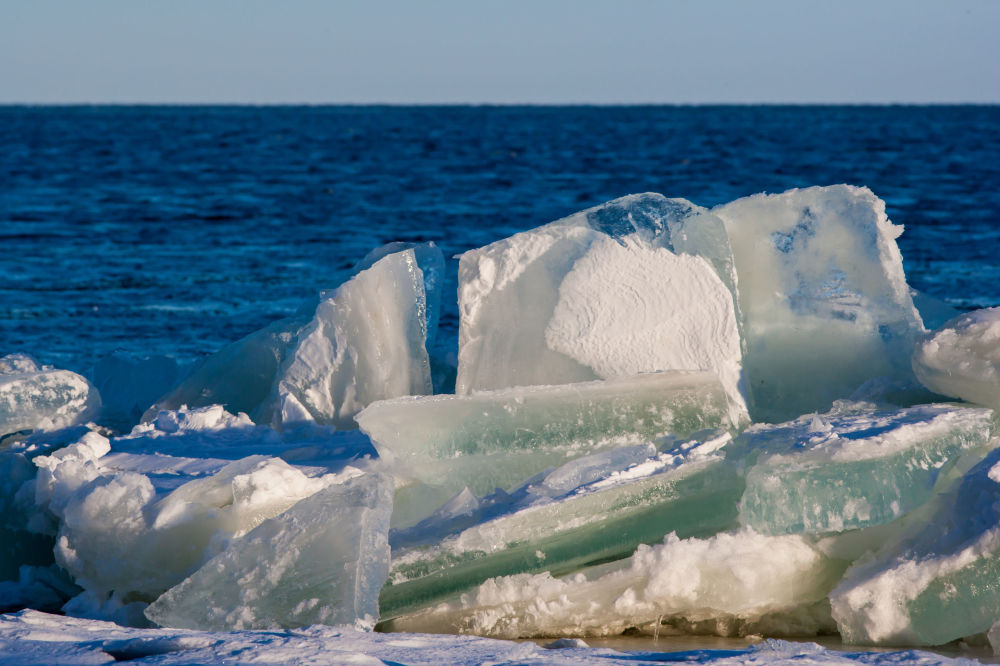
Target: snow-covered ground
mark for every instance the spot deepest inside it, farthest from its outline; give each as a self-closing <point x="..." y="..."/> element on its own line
<point x="35" y="638"/>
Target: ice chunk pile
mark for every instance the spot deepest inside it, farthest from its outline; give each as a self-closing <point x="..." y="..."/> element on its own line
<point x="130" y="527"/>
<point x="322" y="561"/>
<point x="666" y="418"/>
<point x="592" y="509"/>
<point x="365" y="343"/>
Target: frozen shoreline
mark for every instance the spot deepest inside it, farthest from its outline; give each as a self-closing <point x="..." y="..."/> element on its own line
<point x="31" y="637"/>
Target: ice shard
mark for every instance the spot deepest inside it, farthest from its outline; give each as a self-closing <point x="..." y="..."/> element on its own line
<point x="937" y="585"/>
<point x="239" y="376"/>
<point x="962" y="358"/>
<point x="498" y="439"/>
<point x="639" y="284"/>
<point x="365" y="343"/>
<point x="35" y="397"/>
<point x="321" y="562"/>
<point x="853" y="467"/>
<point x="729" y="584"/>
<point x="822" y="294"/>
<point x="592" y="509"/>
<point x="431" y="262"/>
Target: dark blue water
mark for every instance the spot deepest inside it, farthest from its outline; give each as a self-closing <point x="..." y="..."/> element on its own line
<point x="178" y="229"/>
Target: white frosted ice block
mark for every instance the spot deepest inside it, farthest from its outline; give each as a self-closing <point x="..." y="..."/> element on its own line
<point x="592" y="509"/>
<point x="935" y="586"/>
<point x="34" y="397"/>
<point x="497" y="439"/>
<point x="321" y="562"/>
<point x="639" y="284"/>
<point x="728" y="584"/>
<point x="962" y="358"/>
<point x="825" y="303"/>
<point x="366" y="342"/>
<point x="853" y="467"/>
<point x="125" y="537"/>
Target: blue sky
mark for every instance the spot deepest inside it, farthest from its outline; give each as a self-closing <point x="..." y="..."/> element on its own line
<point x="537" y="51"/>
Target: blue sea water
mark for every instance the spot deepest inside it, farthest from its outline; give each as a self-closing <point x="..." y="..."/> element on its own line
<point x="175" y="230"/>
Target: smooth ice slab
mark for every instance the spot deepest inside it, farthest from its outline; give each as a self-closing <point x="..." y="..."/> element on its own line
<point x="732" y="584"/>
<point x="497" y="439"/>
<point x="321" y="562"/>
<point x="962" y="358"/>
<point x="938" y="585"/>
<point x="639" y="284"/>
<point x="592" y="509"/>
<point x="853" y="467"/>
<point x="825" y="303"/>
<point x="35" y="397"/>
<point x="430" y="259"/>
<point x="130" y="384"/>
<point x="366" y="342"/>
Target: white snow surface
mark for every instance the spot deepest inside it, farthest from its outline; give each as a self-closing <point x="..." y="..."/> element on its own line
<point x="962" y="358"/>
<point x="625" y="308"/>
<point x="32" y="638"/>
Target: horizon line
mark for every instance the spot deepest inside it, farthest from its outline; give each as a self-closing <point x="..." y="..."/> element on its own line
<point x="492" y="104"/>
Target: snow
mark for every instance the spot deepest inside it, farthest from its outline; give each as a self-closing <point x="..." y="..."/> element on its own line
<point x="740" y="577"/>
<point x="34" y="638"/>
<point x="962" y="358"/>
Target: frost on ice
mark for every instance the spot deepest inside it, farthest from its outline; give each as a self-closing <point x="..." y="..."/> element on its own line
<point x="853" y="467"/>
<point x="962" y="358"/>
<point x="937" y="583"/>
<point x="825" y="303"/>
<point x="639" y="284"/>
